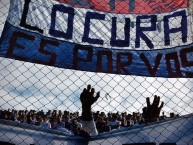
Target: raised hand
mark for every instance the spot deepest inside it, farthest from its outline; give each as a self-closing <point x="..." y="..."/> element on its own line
<point x="152" y="111"/>
<point x="87" y="98"/>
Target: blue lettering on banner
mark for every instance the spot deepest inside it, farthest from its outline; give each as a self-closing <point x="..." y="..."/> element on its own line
<point x="140" y="30"/>
<point x="69" y="31"/>
<point x="24" y="17"/>
<point x="182" y="28"/>
<point x="114" y="42"/>
<point x="120" y="43"/>
<point x="89" y="16"/>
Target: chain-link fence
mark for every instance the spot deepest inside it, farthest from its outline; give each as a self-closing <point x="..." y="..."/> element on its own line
<point x="31" y="92"/>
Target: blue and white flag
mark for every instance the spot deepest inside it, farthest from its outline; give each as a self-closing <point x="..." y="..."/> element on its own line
<point x="58" y="34"/>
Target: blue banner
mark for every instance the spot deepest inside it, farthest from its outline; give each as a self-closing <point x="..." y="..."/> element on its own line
<point x="33" y="47"/>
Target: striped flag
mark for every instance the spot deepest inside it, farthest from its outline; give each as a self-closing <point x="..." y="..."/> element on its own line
<point x="130" y="6"/>
<point x="127" y="37"/>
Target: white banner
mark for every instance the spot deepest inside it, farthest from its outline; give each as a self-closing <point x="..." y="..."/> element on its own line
<point x="101" y="29"/>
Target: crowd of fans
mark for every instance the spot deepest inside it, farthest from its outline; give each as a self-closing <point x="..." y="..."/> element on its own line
<point x="72" y="121"/>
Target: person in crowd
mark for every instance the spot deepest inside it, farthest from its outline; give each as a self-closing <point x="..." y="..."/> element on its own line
<point x="101" y="125"/>
<point x="59" y="124"/>
<point x="130" y="121"/>
<point x="49" y="114"/>
<point x="75" y="126"/>
<point x="29" y="119"/>
<point x="163" y="117"/>
<point x="21" y="118"/>
<point x="52" y="122"/>
<point x="44" y="123"/>
<point x="88" y="98"/>
<point x="123" y="121"/>
<point x="114" y="123"/>
<point x="33" y="121"/>
<point x="66" y="120"/>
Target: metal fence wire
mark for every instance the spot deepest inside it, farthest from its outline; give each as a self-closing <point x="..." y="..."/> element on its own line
<point x="31" y="93"/>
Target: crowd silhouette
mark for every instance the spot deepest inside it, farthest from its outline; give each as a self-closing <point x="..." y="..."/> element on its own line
<point x="71" y="121"/>
<point x="57" y="119"/>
